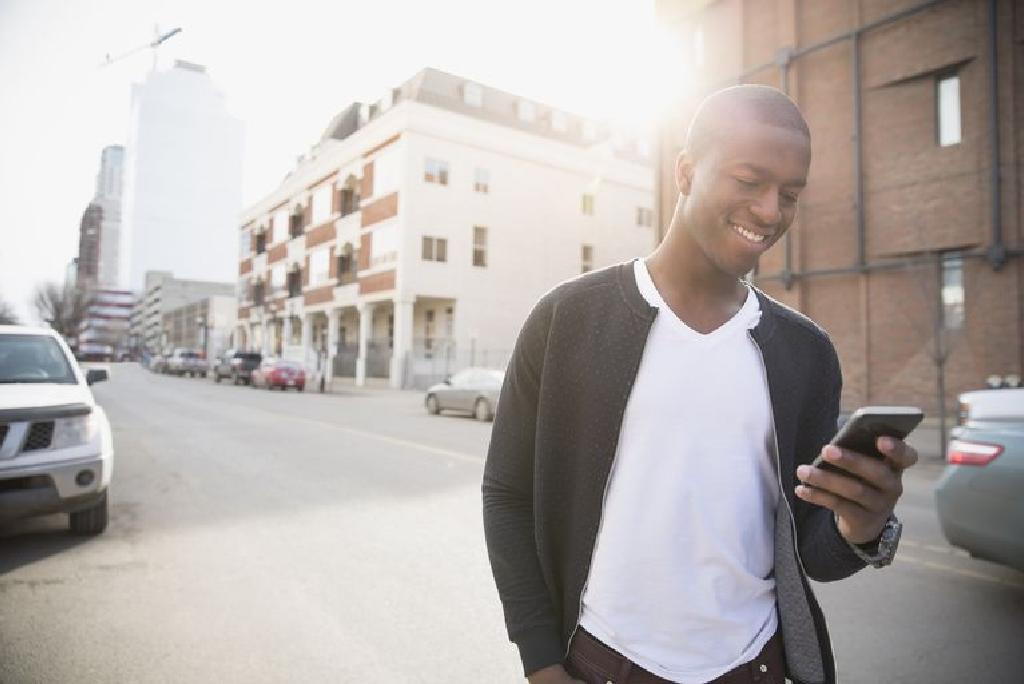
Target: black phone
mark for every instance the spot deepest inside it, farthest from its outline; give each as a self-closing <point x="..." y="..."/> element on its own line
<point x="866" y="425"/>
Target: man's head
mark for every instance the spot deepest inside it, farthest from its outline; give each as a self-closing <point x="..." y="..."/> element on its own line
<point x="746" y="160"/>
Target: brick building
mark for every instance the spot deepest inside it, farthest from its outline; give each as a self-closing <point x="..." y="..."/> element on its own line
<point x="907" y="244"/>
<point x="419" y="231"/>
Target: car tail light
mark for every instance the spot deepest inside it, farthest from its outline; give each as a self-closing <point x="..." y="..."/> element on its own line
<point x="963" y="452"/>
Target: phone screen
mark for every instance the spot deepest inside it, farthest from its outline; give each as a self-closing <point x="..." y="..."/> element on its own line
<point x="866" y="425"/>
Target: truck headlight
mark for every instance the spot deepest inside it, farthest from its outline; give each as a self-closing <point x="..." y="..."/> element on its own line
<point x="69" y="432"/>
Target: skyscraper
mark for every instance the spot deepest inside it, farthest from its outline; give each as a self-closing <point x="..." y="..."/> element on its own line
<point x="183" y="181"/>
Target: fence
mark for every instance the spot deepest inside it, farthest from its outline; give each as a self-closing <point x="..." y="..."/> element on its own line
<point x="431" y="363"/>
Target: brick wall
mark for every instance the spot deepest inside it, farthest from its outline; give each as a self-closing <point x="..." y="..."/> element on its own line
<point x="381" y="209"/>
<point x="377" y="282"/>
<point x="320" y="234"/>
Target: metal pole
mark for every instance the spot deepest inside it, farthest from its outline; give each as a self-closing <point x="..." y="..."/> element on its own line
<point x="940" y="354"/>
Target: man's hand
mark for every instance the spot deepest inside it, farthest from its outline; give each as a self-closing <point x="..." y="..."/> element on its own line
<point x="555" y="674"/>
<point x="861" y="506"/>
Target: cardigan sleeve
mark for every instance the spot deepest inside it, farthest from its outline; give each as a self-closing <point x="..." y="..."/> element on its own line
<point x="508" y="503"/>
<point x="825" y="553"/>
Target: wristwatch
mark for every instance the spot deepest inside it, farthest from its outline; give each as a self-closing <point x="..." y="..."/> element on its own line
<point x="880" y="552"/>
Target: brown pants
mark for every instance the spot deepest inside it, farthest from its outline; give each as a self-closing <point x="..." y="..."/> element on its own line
<point x="594" y="663"/>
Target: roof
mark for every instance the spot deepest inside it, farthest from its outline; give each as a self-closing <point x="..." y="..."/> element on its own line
<point x="27" y="330"/>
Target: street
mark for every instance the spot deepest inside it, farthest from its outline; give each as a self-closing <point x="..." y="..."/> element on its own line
<point x="282" y="537"/>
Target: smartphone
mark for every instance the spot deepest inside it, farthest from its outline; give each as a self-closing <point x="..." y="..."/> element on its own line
<point x="866" y="425"/>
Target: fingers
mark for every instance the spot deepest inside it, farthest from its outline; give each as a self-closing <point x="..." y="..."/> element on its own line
<point x="877" y="474"/>
<point x="900" y="454"/>
<point x="866" y="495"/>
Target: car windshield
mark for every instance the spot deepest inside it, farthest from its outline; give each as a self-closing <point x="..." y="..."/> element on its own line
<point x="248" y="357"/>
<point x="33" y="358"/>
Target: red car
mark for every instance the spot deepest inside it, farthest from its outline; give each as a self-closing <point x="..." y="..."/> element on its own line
<point x="279" y="373"/>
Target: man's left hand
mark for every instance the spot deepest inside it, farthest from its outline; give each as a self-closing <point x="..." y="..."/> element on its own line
<point x="861" y="506"/>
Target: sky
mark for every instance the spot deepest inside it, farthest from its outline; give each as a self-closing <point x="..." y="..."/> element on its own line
<point x="285" y="70"/>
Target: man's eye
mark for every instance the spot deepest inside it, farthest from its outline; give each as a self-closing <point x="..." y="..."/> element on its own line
<point x="788" y="198"/>
<point x="747" y="183"/>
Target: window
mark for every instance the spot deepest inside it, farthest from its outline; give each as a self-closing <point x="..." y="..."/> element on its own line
<point x="277" y="280"/>
<point x="644" y="216"/>
<point x="479" y="246"/>
<point x="435" y="249"/>
<point x="587" y="204"/>
<point x="436" y="171"/>
<point x="321" y="200"/>
<point x="294" y="282"/>
<point x="295" y="222"/>
<point x="559" y="122"/>
<point x="482" y="181"/>
<point x="586" y="258"/>
<point x="281" y="226"/>
<point x="428" y="329"/>
<point x="948" y="96"/>
<point x="347" y="265"/>
<point x="261" y="243"/>
<point x="349" y="201"/>
<point x="526" y="111"/>
<point x="384" y="245"/>
<point x="258" y="290"/>
<point x="473" y="95"/>
<point x="319" y="266"/>
<point x="953" y="291"/>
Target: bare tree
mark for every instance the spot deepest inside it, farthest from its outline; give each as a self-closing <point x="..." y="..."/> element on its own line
<point x="61" y="307"/>
<point x="7" y="315"/>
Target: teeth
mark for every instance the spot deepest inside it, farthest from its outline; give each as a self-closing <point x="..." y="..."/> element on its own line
<point x="753" y="237"/>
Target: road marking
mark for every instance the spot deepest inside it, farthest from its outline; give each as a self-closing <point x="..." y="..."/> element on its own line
<point x="942" y="567"/>
<point x="449" y="453"/>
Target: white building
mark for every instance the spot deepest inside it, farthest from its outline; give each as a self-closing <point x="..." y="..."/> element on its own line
<point x="422" y="228"/>
<point x="109" y="182"/>
<point x="183" y="179"/>
<point x="163" y="293"/>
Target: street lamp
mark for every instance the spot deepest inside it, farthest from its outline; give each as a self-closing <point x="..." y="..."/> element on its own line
<point x="204" y="335"/>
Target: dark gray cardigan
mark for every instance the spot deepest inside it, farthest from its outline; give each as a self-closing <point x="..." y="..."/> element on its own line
<point x="555" y="436"/>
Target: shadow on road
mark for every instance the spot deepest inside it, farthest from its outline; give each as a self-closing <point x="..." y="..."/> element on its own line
<point x="24" y="542"/>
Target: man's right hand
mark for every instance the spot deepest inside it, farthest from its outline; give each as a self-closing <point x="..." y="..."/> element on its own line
<point x="555" y="674"/>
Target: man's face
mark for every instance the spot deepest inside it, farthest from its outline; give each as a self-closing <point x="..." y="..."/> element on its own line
<point x="741" y="194"/>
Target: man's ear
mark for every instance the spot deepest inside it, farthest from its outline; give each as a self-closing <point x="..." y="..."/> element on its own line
<point x="684" y="173"/>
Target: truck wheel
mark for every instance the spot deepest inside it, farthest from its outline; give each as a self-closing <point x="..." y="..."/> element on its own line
<point x="433" y="406"/>
<point x="92" y="520"/>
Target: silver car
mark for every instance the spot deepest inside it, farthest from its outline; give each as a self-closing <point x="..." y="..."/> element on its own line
<point x="979" y="496"/>
<point x="473" y="390"/>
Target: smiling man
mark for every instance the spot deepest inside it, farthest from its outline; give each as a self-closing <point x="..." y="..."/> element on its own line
<point x="649" y="507"/>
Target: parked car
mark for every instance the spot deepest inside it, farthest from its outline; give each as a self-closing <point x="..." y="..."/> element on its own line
<point x="979" y="494"/>
<point x="473" y="390"/>
<point x="184" y="361"/>
<point x="237" y="365"/>
<point x="158" y="363"/>
<point x="279" y="373"/>
<point x="56" y="451"/>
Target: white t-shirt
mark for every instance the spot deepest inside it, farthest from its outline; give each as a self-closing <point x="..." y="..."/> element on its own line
<point x="682" y="575"/>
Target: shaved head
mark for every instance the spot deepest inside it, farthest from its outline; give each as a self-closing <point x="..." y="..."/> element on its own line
<point x="722" y="111"/>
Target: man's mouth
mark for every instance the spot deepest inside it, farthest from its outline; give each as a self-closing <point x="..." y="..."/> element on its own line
<point x="749" y="235"/>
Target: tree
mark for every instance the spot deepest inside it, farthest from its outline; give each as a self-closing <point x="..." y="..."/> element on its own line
<point x="60" y="306"/>
<point x="7" y="315"/>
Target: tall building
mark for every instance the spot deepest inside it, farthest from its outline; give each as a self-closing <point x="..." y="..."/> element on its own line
<point x="908" y="240"/>
<point x="89" y="234"/>
<point x="183" y="170"/>
<point x="418" y="233"/>
<point x="109" y="183"/>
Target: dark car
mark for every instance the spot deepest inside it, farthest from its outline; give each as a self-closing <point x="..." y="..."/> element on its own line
<point x="279" y="373"/>
<point x="237" y="365"/>
<point x="472" y="390"/>
<point x="979" y="495"/>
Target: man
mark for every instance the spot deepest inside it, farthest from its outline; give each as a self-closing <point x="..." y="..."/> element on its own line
<point x="649" y="507"/>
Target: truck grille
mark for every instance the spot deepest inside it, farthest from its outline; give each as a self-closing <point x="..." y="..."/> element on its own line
<point x="39" y="436"/>
<point x="3" y="434"/>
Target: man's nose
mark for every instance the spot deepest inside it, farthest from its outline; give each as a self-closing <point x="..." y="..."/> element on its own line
<point x="766" y="207"/>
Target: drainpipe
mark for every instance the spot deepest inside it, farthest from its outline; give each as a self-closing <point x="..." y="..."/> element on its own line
<point x="997" y="250"/>
<point x="858" y="152"/>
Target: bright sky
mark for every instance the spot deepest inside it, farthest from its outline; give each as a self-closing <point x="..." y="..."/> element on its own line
<point x="286" y="69"/>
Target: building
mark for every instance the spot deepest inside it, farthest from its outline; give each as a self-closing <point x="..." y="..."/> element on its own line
<point x="907" y="245"/>
<point x="108" y="199"/>
<point x="205" y="325"/>
<point x="182" y="171"/>
<point x="103" y="330"/>
<point x="164" y="293"/>
<point x="420" y="230"/>
<point x="89" y="231"/>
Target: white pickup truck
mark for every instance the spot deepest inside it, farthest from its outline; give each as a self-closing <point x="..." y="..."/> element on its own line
<point x="56" y="451"/>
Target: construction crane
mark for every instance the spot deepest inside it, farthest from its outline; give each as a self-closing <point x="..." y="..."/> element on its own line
<point x="152" y="45"/>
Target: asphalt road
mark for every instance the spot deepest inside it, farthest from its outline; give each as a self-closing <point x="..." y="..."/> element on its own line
<point x="266" y="537"/>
